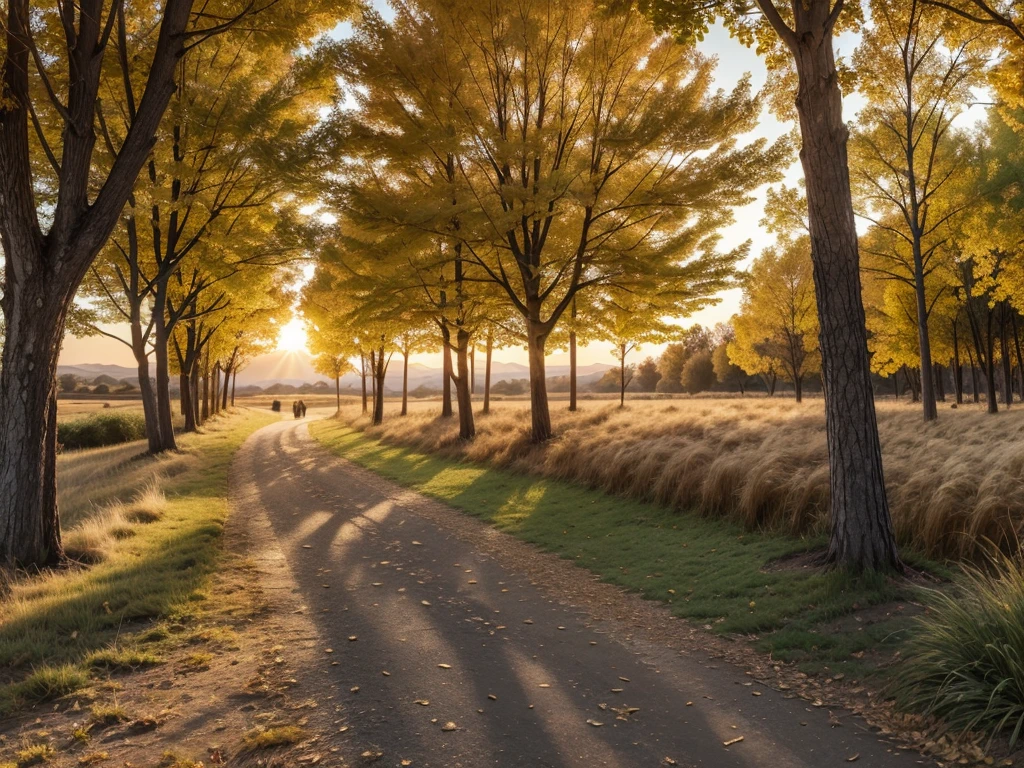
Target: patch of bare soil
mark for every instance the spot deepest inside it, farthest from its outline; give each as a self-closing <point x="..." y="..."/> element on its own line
<point x="233" y="691"/>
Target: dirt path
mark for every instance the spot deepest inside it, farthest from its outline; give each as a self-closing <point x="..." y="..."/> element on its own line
<point x="444" y="643"/>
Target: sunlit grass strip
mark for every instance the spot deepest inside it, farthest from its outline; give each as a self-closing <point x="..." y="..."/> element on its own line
<point x="708" y="570"/>
<point x="57" y="629"/>
<point x="965" y="662"/>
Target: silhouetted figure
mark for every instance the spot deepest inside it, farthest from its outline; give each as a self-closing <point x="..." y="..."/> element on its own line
<point x="295" y="408"/>
<point x="302" y="409"/>
<point x="276" y="406"/>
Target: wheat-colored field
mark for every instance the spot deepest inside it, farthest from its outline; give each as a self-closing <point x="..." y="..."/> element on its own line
<point x="953" y="485"/>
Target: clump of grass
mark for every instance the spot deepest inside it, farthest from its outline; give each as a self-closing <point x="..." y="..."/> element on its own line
<point x="100" y="429"/>
<point x="34" y="754"/>
<point x="965" y="662"/>
<point x="172" y="760"/>
<point x="93" y="540"/>
<point x="276" y="736"/>
<point x="198" y="660"/>
<point x="42" y="684"/>
<point x="120" y="659"/>
<point x="93" y="757"/>
<point x="108" y="714"/>
<point x="148" y="506"/>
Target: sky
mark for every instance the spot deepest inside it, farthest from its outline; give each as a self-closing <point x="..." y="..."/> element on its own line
<point x="734" y="60"/>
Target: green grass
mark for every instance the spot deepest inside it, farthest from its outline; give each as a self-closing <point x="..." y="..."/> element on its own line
<point x="277" y="736"/>
<point x="60" y="629"/>
<point x="708" y="571"/>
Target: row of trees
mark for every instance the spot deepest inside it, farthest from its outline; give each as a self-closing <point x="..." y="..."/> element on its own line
<point x="527" y="168"/>
<point x="141" y="146"/>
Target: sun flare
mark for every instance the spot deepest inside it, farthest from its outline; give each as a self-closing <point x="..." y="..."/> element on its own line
<point x="292" y="336"/>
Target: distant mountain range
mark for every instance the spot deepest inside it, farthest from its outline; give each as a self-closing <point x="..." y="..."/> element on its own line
<point x="296" y="368"/>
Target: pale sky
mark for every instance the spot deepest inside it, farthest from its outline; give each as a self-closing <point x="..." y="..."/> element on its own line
<point x="734" y="60"/>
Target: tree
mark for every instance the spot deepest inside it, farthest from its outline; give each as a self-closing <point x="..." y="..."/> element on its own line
<point x="68" y="382"/>
<point x="801" y="35"/>
<point x="777" y="324"/>
<point x="699" y="373"/>
<point x="582" y="166"/>
<point x="727" y="373"/>
<point x="918" y="79"/>
<point x="647" y="375"/>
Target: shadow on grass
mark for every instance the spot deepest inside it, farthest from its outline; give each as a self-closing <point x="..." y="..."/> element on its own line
<point x="708" y="571"/>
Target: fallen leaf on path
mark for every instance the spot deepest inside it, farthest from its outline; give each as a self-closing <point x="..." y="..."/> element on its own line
<point x="307" y="546"/>
<point x="730" y="742"/>
<point x="449" y="726"/>
<point x="853" y="758"/>
<point x="594" y="723"/>
<point x="528" y="621"/>
<point x="354" y="689"/>
<point x="492" y="697"/>
<point x="545" y="685"/>
<point x="425" y="602"/>
<point x="624" y="679"/>
<point x="385" y="673"/>
<point x="417" y="544"/>
<point x="670" y="761"/>
<point x="422" y="702"/>
<point x="445" y="666"/>
<point x="352" y="638"/>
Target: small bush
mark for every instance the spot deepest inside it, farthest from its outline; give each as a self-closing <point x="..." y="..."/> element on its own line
<point x="965" y="664"/>
<point x="101" y="429"/>
<point x="34" y="754"/>
<point x="120" y="659"/>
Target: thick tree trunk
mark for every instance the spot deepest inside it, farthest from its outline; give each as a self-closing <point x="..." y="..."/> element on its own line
<point x="540" y="415"/>
<point x="940" y="382"/>
<point x="362" y="373"/>
<point x="187" y="403"/>
<point x="146" y="391"/>
<point x="622" y="375"/>
<point x="405" y="384"/>
<point x="193" y="383"/>
<point x="163" y="372"/>
<point x="487" y="374"/>
<point x="29" y="521"/>
<point x="463" y="391"/>
<point x="446" y="372"/>
<point x="379" y="367"/>
<point x="798" y="388"/>
<point x="373" y="377"/>
<point x="234" y="380"/>
<point x="572" y="371"/>
<point x="861" y="531"/>
<point x="204" y="414"/>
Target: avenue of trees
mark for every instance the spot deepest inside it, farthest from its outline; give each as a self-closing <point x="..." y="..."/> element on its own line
<point x="472" y="176"/>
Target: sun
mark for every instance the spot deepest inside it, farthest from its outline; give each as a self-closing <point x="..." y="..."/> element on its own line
<point x="292" y="336"/>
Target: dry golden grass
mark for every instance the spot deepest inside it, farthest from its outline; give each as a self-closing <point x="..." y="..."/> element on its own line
<point x="953" y="485"/>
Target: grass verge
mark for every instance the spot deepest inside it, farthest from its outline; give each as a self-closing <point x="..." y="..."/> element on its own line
<point x="709" y="571"/>
<point x="59" y="631"/>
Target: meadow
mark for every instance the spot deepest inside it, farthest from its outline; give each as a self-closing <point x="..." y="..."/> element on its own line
<point x="953" y="484"/>
<point x="144" y="535"/>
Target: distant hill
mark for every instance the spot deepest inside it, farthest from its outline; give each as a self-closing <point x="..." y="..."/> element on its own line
<point x="281" y="370"/>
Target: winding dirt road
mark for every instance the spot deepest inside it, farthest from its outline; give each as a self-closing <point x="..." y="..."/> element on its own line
<point x="440" y="647"/>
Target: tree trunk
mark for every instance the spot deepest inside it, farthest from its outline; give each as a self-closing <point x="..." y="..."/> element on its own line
<point x="1004" y="353"/>
<point x="204" y="414"/>
<point x="380" y="369"/>
<point x="798" y="388"/>
<point x="29" y="521"/>
<point x="146" y="391"/>
<point x="487" y="373"/>
<point x="163" y="374"/>
<point x="187" y="405"/>
<point x="373" y="378"/>
<point x="861" y="531"/>
<point x="540" y="415"/>
<point x="463" y="391"/>
<point x="446" y="372"/>
<point x="472" y="369"/>
<point x="572" y="369"/>
<point x="940" y="383"/>
<point x="958" y="372"/>
<point x="193" y="383"/>
<point x="362" y="368"/>
<point x="405" y="383"/>
<point x="234" y="380"/>
<point x="1020" y="360"/>
<point x="337" y="390"/>
<point x="622" y="375"/>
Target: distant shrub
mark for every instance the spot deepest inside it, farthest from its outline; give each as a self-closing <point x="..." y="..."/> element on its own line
<point x="101" y="389"/>
<point x="101" y="429"/>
